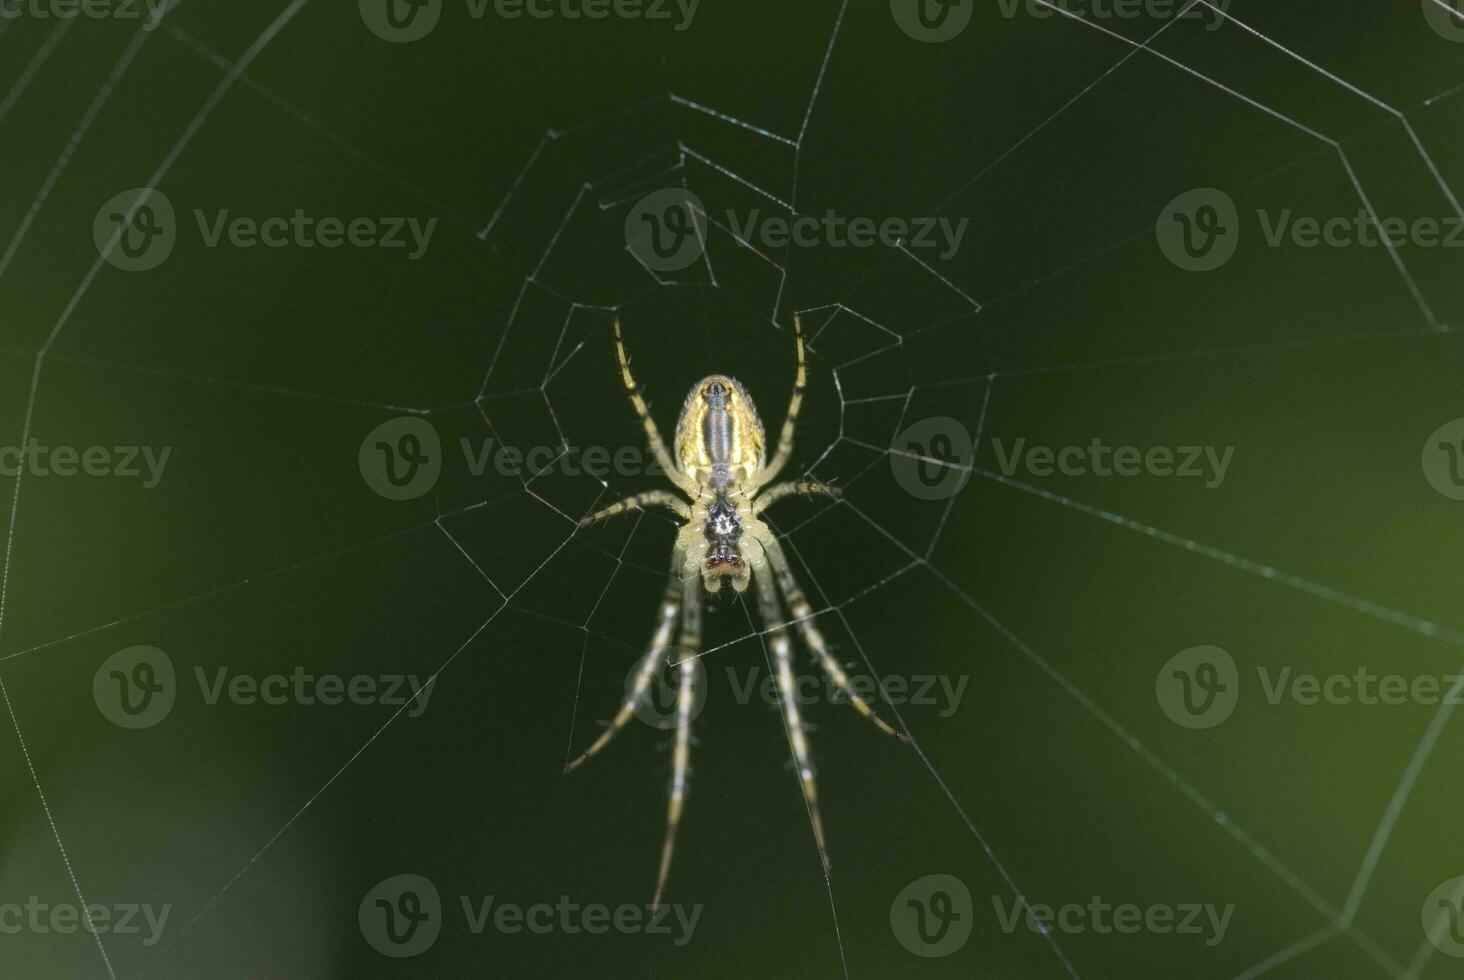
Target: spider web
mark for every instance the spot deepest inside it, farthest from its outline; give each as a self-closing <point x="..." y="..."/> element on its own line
<point x="1057" y="598"/>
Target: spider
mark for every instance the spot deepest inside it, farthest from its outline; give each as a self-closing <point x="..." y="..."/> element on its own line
<point x="721" y="466"/>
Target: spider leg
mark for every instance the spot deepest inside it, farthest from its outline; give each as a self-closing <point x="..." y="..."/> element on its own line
<point x="795" y="404"/>
<point x="689" y="646"/>
<point x="653" y="434"/>
<point x="649" y="664"/>
<point x="806" y="488"/>
<point x="767" y="594"/>
<point x="803" y="616"/>
<point x="651" y="498"/>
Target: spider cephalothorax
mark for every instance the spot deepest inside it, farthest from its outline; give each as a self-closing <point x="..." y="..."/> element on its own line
<point x="723" y="532"/>
<point x="721" y="466"/>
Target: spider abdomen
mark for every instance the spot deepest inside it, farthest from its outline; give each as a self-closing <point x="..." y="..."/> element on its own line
<point x="719" y="438"/>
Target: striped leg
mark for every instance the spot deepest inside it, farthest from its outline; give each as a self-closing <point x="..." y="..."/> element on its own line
<point x="653" y="434"/>
<point x="688" y="647"/>
<point x="803" y="616"/>
<point x="651" y="498"/>
<point x="649" y="664"/>
<point x="772" y="618"/>
<point x="806" y="488"/>
<point x="795" y="404"/>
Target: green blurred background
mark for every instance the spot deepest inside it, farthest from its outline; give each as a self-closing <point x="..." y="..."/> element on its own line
<point x="1058" y="776"/>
